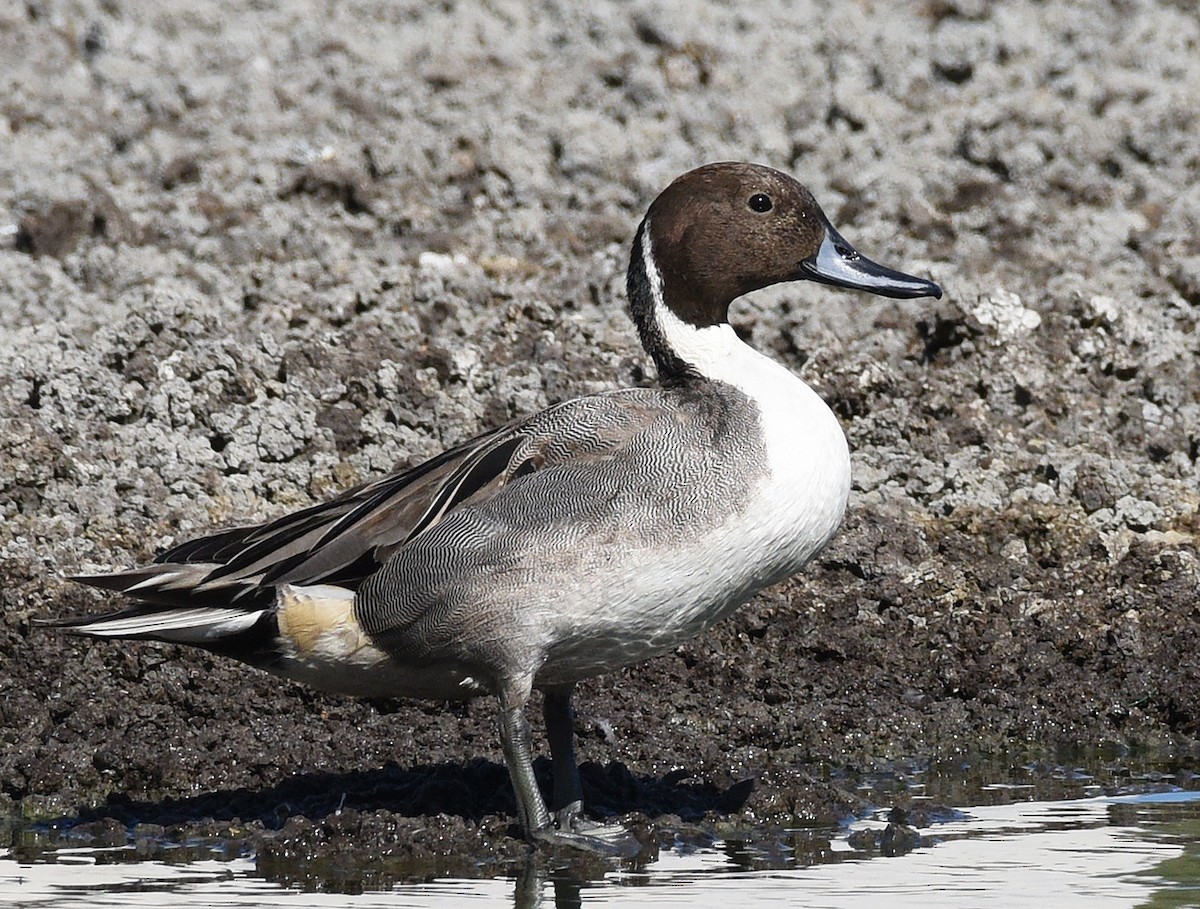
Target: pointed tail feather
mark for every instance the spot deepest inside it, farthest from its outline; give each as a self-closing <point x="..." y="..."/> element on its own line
<point x="172" y="609"/>
<point x="140" y="582"/>
<point x="177" y="584"/>
<point x="198" y="625"/>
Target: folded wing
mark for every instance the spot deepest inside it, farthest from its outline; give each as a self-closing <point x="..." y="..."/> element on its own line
<point x="348" y="538"/>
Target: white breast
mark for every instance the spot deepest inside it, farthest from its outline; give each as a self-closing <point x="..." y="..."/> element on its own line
<point x="804" y="497"/>
<point x="667" y="596"/>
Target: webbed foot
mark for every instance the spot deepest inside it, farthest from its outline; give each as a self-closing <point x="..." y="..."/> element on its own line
<point x="570" y="828"/>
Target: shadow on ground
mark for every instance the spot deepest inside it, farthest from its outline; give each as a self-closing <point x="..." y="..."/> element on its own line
<point x="470" y="790"/>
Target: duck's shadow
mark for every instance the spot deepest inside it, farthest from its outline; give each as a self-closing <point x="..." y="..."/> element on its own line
<point x="470" y="790"/>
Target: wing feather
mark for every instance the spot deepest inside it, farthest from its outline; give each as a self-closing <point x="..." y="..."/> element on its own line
<point x="346" y="539"/>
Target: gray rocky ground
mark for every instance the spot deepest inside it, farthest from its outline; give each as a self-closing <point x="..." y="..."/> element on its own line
<point x="254" y="253"/>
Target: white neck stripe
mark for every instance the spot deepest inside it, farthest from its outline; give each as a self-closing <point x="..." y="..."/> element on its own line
<point x="651" y="268"/>
<point x="708" y="350"/>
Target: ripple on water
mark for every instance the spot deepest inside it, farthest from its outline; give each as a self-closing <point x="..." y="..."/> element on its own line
<point x="1139" y="848"/>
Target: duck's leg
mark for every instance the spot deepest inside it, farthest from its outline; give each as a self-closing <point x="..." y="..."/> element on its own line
<point x="572" y="830"/>
<point x="518" y="755"/>
<point x="567" y="803"/>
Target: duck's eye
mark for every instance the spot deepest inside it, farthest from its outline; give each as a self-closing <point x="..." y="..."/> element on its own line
<point x="760" y="202"/>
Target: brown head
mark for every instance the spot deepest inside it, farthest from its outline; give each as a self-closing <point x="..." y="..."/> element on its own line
<point x="723" y="230"/>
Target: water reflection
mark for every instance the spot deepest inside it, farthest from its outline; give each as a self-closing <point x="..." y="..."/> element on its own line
<point x="1141" y="847"/>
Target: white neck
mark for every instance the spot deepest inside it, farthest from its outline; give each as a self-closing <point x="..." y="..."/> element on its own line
<point x="714" y="351"/>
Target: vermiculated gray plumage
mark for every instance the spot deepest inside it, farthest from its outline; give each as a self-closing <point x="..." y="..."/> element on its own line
<point x="617" y="477"/>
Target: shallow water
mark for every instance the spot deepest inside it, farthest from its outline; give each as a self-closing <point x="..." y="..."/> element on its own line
<point x="1137" y="849"/>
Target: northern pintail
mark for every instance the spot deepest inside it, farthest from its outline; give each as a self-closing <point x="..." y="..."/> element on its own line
<point x="590" y="536"/>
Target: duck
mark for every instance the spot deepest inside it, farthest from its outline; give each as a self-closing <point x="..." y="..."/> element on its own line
<point x="598" y="533"/>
